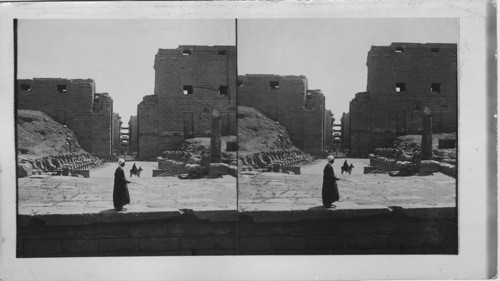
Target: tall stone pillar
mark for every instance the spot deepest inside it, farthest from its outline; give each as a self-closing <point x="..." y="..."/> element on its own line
<point x="215" y="141"/>
<point x="427" y="135"/>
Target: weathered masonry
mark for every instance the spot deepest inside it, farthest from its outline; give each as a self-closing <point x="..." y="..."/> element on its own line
<point x="287" y="100"/>
<point x="403" y="79"/>
<point x="72" y="102"/>
<point x="190" y="82"/>
<point x="132" y="125"/>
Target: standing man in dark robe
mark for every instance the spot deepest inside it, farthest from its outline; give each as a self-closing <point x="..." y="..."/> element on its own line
<point x="121" y="196"/>
<point x="330" y="191"/>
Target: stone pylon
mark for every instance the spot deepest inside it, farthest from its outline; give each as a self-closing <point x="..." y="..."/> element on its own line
<point x="427" y="135"/>
<point x="215" y="141"/>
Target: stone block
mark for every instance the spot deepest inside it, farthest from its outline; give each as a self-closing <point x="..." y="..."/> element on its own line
<point x="188" y="229"/>
<point x="227" y="228"/>
<point x="24" y="170"/>
<point x="79" y="246"/>
<point x="159" y="244"/>
<point x="271" y="228"/>
<point x="42" y="247"/>
<point x="327" y="242"/>
<point x="157" y="173"/>
<point x="358" y="227"/>
<point x="218" y="169"/>
<point x="367" y="170"/>
<point x="106" y="231"/>
<point x="429" y="166"/>
<point x="84" y="173"/>
<point x="295" y="170"/>
<point x="208" y="242"/>
<point x="406" y="240"/>
<point x="326" y="227"/>
<point x="149" y="230"/>
<point x="285" y="242"/>
<point x="111" y="246"/>
<point x="253" y="242"/>
<point x="369" y="241"/>
<point x="63" y="231"/>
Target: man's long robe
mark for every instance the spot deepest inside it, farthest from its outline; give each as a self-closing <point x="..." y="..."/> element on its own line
<point x="330" y="191"/>
<point x="121" y="195"/>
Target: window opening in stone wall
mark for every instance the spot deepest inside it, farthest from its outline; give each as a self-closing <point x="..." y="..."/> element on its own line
<point x="188" y="90"/>
<point x="400" y="49"/>
<point x="400" y="87"/>
<point x="240" y="83"/>
<point x="274" y="85"/>
<point x="205" y="111"/>
<point x="435" y="50"/>
<point x="224" y="90"/>
<point x="436" y="87"/>
<point x="62" y="88"/>
<point x="222" y="52"/>
<point x="25" y="87"/>
<point x="187" y="52"/>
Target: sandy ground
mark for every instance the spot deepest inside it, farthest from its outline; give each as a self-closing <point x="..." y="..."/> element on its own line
<point x="58" y="194"/>
<point x="269" y="191"/>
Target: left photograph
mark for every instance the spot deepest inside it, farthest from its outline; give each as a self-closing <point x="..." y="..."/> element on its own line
<point x="126" y="137"/>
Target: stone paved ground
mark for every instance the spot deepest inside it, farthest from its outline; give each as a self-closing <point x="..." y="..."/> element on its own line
<point x="58" y="194"/>
<point x="270" y="191"/>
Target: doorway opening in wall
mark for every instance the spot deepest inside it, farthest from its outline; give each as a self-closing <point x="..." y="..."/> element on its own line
<point x="400" y="87"/>
<point x="224" y="90"/>
<point x="436" y="87"/>
<point x="62" y="88"/>
<point x="275" y="85"/>
<point x="25" y="87"/>
<point x="187" y="90"/>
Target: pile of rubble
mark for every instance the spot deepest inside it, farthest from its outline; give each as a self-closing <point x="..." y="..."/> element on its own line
<point x="57" y="164"/>
<point x="274" y="160"/>
<point x="407" y="163"/>
<point x="190" y="165"/>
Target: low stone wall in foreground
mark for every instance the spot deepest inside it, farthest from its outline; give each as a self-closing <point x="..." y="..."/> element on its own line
<point x="389" y="230"/>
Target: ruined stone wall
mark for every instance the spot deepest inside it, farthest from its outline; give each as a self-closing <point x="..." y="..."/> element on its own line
<point x="314" y="122"/>
<point x="285" y="100"/>
<point x="346" y="131"/>
<point x="133" y="129"/>
<point x="403" y="79"/>
<point x="71" y="102"/>
<point x="116" y="132"/>
<point x="190" y="82"/>
<point x="328" y="129"/>
<point x="102" y="118"/>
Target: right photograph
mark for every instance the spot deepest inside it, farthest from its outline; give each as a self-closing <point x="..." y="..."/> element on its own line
<point x="347" y="136"/>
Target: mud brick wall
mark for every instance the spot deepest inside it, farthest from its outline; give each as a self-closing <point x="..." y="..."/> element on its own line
<point x="210" y="74"/>
<point x="335" y="232"/>
<point x="288" y="104"/>
<point x="428" y="76"/>
<point x="128" y="234"/>
<point x="71" y="102"/>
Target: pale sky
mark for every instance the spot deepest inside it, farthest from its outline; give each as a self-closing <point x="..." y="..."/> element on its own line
<point x="332" y="53"/>
<point x="118" y="54"/>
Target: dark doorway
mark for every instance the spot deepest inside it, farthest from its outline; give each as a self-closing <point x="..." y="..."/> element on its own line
<point x="188" y="125"/>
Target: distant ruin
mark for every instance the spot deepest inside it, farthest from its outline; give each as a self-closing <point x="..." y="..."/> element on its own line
<point x="287" y="100"/>
<point x="74" y="103"/>
<point x="403" y="79"/>
<point x="190" y="82"/>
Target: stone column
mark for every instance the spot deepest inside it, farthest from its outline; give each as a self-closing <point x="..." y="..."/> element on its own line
<point x="427" y="135"/>
<point x="215" y="141"/>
